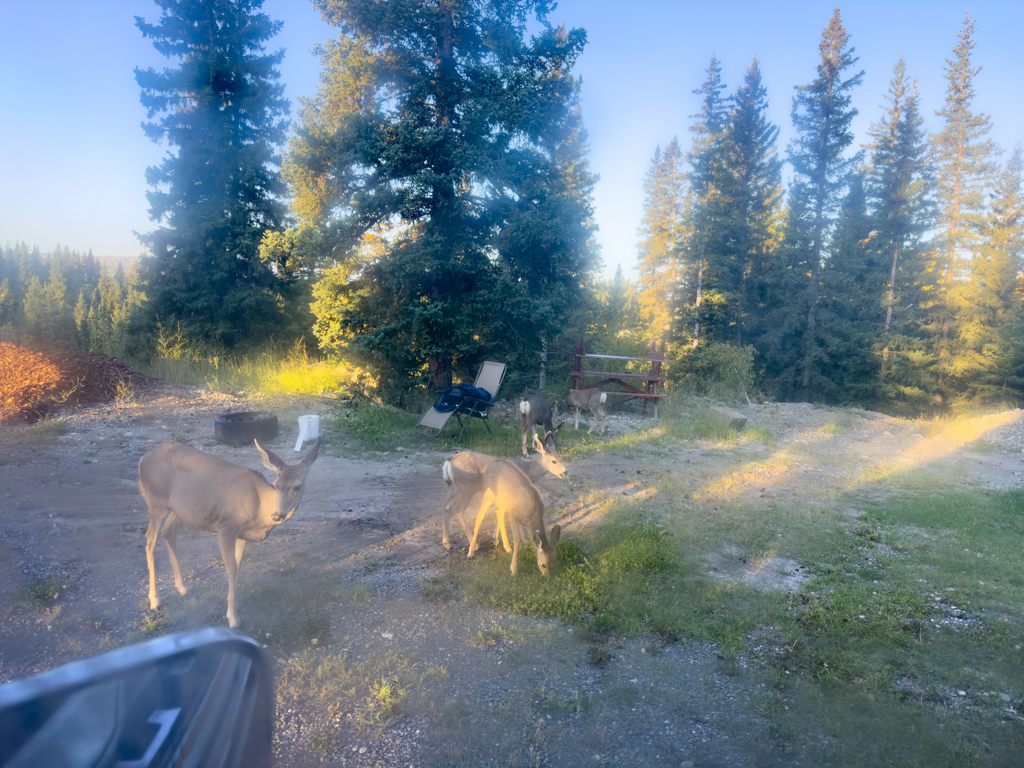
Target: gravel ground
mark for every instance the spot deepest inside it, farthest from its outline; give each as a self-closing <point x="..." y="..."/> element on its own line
<point x="498" y="689"/>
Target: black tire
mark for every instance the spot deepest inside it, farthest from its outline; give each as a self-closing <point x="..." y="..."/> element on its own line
<point x="245" y="427"/>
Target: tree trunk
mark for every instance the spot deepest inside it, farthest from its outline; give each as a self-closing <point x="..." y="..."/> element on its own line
<point x="543" y="362"/>
<point x="888" y="312"/>
<point x="700" y="288"/>
<point x="440" y="373"/>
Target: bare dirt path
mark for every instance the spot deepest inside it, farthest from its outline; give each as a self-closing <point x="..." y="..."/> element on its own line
<point x="345" y="577"/>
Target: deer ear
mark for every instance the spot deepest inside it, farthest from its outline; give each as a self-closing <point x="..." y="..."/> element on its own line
<point x="538" y="444"/>
<point x="311" y="455"/>
<point x="270" y="459"/>
<point x="555" y="535"/>
<point x="558" y="428"/>
<point x="538" y="542"/>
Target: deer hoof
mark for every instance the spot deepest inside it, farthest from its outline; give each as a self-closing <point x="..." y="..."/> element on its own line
<point x="446" y="545"/>
<point x="182" y="590"/>
<point x="154" y="602"/>
<point x="233" y="621"/>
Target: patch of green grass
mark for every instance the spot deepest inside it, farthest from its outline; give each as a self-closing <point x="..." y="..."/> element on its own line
<point x="324" y="744"/>
<point x="985" y="446"/>
<point x="840" y="422"/>
<point x="376" y="689"/>
<point x="626" y="578"/>
<point x="550" y="703"/>
<point x="756" y="432"/>
<point x="44" y="592"/>
<point x="904" y="615"/>
<point x="270" y="371"/>
<point x="379" y="429"/>
<point x="42" y="431"/>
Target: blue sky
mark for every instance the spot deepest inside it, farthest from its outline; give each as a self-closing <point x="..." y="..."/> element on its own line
<point x="73" y="157"/>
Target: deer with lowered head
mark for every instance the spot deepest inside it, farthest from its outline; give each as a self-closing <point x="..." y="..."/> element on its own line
<point x="464" y="475"/>
<point x="186" y="487"/>
<point x="535" y="410"/>
<point x="593" y="399"/>
<point x="517" y="503"/>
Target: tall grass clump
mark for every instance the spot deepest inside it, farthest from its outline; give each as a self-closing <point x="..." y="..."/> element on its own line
<point x="272" y="370"/>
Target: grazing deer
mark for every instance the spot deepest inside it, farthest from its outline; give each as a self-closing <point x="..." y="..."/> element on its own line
<point x="588" y="398"/>
<point x="186" y="487"/>
<point x="518" y="503"/>
<point x="464" y="475"/>
<point x="535" y="410"/>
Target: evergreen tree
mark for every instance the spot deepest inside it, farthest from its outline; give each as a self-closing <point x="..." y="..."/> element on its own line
<point x="989" y="358"/>
<point x="662" y="233"/>
<point x="822" y="114"/>
<point x="848" y="317"/>
<point x="902" y="214"/>
<point x="755" y="194"/>
<point x="222" y="109"/>
<point x="709" y="189"/>
<point x="443" y="166"/>
<point x="964" y="164"/>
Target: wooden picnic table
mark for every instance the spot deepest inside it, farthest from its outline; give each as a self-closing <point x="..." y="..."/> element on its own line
<point x="650" y="380"/>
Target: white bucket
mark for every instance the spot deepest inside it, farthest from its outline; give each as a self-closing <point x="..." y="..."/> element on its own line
<point x="309" y="429"/>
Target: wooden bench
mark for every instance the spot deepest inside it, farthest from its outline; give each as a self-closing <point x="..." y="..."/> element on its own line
<point x="651" y="379"/>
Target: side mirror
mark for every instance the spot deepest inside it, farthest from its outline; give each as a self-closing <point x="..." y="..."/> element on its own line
<point x="203" y="697"/>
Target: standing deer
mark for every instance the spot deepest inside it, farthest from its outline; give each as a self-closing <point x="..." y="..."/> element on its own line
<point x="588" y="398"/>
<point x="518" y="503"/>
<point x="464" y="475"/>
<point x="186" y="487"/>
<point x="535" y="410"/>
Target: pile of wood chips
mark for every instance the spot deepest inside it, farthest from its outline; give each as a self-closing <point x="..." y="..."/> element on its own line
<point x="35" y="384"/>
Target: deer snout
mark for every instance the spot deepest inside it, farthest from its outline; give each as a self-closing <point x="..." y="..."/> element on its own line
<point x="279" y="517"/>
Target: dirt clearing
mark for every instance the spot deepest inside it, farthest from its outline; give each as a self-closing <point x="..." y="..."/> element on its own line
<point x="379" y="665"/>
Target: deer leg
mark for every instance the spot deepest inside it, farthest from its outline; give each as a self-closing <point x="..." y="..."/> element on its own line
<point x="239" y="550"/>
<point x="156" y="520"/>
<point x="502" y="530"/>
<point x="576" y="425"/>
<point x="604" y="417"/>
<point x="525" y="430"/>
<point x="170" y="535"/>
<point x="593" y="423"/>
<point x="488" y="498"/>
<point x="227" y="541"/>
<point x="516" y="536"/>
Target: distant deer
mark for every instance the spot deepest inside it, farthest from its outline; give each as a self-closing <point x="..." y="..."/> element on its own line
<point x="464" y="475"/>
<point x="186" y="487"/>
<point x="517" y="503"/>
<point x="588" y="398"/>
<point x="535" y="410"/>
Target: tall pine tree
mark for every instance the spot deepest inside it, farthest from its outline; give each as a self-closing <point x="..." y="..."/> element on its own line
<point x="822" y="114"/>
<point x="902" y="212"/>
<point x="708" y="185"/>
<point x="222" y="108"/>
<point x="443" y="163"/>
<point x="964" y="165"/>
<point x="663" y="235"/>
<point x="990" y="303"/>
<point x="756" y="192"/>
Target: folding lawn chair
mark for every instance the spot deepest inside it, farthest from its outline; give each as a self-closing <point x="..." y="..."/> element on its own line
<point x="464" y="400"/>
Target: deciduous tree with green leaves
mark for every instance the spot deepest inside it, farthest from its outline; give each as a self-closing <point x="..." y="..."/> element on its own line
<point x="222" y="111"/>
